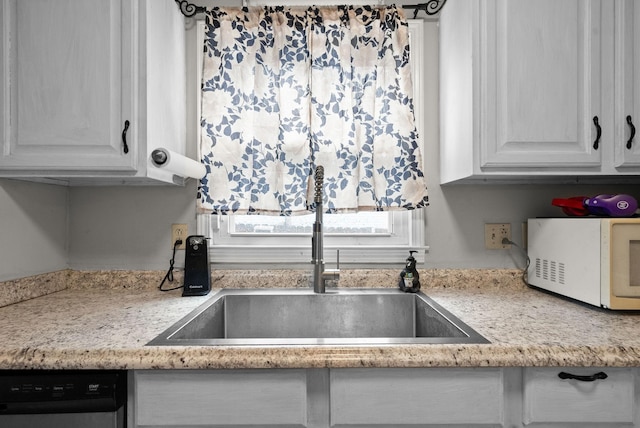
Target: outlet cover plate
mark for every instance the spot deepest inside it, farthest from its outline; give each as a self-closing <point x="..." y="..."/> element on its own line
<point x="179" y="231"/>
<point x="493" y="235"/>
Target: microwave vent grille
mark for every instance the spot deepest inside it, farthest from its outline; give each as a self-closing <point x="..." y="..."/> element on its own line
<point x="550" y="270"/>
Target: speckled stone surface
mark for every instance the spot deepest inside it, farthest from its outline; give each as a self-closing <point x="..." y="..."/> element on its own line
<point x="18" y="290"/>
<point x="39" y="285"/>
<point x="104" y="320"/>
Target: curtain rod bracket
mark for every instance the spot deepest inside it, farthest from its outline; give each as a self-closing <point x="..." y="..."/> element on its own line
<point x="190" y="9"/>
<point x="432" y="7"/>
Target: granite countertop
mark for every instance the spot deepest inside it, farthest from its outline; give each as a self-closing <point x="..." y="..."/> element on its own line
<point x="100" y="327"/>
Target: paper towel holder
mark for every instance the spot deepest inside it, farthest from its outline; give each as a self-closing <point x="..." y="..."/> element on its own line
<point x="181" y="166"/>
<point x="159" y="157"/>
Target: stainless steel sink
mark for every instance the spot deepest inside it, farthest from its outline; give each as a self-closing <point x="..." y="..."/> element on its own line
<point x="301" y="317"/>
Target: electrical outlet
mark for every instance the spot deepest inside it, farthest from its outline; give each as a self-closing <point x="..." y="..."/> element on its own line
<point x="493" y="235"/>
<point x="179" y="231"/>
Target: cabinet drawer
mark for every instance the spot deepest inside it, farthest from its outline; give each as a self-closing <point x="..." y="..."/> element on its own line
<point x="386" y="397"/>
<point x="221" y="398"/>
<point x="547" y="398"/>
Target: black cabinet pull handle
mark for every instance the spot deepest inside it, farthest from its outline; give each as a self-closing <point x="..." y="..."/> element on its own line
<point x="124" y="136"/>
<point x="633" y="132"/>
<point x="591" y="378"/>
<point x="596" y="143"/>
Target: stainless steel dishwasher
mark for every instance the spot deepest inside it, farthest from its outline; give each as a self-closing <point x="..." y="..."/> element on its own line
<point x="63" y="398"/>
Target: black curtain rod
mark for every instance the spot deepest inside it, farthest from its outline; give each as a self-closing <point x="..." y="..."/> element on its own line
<point x="432" y="7"/>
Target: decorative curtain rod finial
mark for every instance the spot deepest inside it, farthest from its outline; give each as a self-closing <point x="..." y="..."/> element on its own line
<point x="431" y="7"/>
<point x="190" y="9"/>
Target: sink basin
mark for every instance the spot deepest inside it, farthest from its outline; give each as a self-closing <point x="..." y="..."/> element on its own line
<point x="301" y="317"/>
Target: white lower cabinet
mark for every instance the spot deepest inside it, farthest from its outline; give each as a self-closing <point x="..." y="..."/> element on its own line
<point x="424" y="397"/>
<point x="550" y="401"/>
<point x="217" y="398"/>
<point x="385" y="398"/>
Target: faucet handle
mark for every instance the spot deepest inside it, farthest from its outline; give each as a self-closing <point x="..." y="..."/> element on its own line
<point x="334" y="274"/>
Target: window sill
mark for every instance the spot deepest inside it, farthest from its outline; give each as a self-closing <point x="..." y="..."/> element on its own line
<point x="300" y="256"/>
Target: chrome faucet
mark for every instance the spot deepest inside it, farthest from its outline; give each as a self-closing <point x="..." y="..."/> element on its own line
<point x="320" y="274"/>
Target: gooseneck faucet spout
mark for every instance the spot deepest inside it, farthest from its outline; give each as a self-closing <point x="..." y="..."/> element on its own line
<point x="320" y="274"/>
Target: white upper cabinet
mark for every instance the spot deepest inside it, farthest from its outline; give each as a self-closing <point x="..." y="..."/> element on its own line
<point x="627" y="84"/>
<point x="80" y="82"/>
<point x="527" y="89"/>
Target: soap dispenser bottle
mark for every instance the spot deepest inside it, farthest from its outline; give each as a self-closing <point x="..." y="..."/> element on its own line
<point x="409" y="277"/>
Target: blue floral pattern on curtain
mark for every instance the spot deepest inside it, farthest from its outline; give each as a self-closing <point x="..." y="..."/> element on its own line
<point x="286" y="89"/>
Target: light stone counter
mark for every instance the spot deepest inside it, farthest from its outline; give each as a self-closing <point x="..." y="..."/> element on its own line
<point x="99" y="322"/>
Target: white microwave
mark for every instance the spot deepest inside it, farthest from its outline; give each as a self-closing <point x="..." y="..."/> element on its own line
<point x="594" y="260"/>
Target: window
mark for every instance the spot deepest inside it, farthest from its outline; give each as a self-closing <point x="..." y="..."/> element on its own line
<point x="363" y="239"/>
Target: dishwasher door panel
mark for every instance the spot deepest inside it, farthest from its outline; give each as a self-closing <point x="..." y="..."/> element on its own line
<point x="65" y="420"/>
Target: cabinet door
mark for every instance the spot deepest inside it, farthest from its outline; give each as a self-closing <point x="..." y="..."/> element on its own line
<point x="539" y="83"/>
<point x="64" y="77"/>
<point x="627" y="83"/>
<point x="549" y="399"/>
<point x="220" y="398"/>
<point x="416" y="397"/>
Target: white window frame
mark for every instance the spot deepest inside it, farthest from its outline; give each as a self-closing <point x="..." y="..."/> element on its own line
<point x="407" y="229"/>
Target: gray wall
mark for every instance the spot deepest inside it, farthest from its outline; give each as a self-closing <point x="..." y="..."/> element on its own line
<point x="33" y="228"/>
<point x="129" y="227"/>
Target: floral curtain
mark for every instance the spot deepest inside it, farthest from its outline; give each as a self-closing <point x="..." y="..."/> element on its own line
<point x="286" y="89"/>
